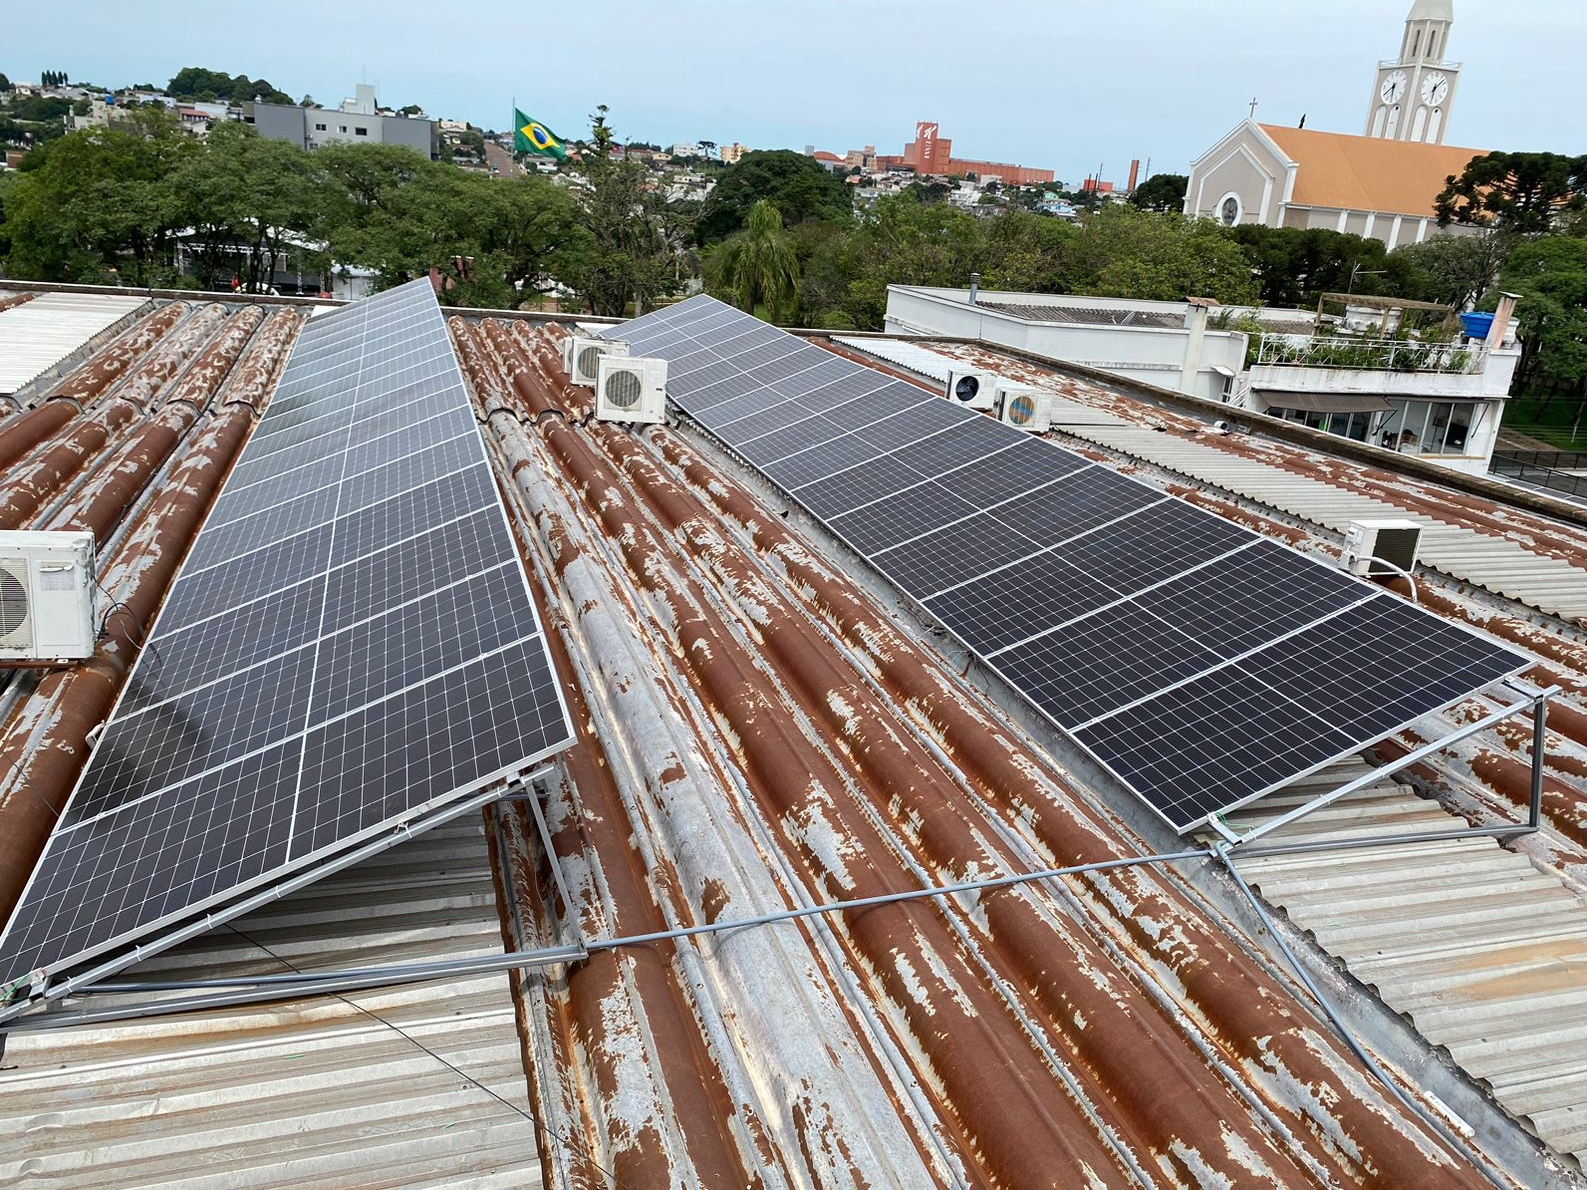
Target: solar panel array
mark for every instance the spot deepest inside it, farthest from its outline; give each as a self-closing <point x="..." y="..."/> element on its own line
<point x="350" y="646"/>
<point x="1199" y="662"/>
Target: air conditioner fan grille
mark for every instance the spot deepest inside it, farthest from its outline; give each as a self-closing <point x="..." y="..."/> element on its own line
<point x="590" y="359"/>
<point x="623" y="389"/>
<point x="13" y="601"/>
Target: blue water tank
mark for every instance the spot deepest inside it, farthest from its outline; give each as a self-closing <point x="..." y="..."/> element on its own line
<point x="1477" y="325"/>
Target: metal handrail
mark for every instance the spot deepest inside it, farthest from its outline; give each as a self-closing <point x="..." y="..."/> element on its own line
<point x="1376" y="355"/>
<point x="1563" y="460"/>
<point x="1541" y="476"/>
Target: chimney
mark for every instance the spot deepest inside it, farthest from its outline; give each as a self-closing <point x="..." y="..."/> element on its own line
<point x="975" y="287"/>
<point x="1196" y="311"/>
<point x="1501" y="320"/>
<point x="1135" y="173"/>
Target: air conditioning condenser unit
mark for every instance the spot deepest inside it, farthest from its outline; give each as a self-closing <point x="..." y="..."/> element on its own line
<point x="976" y="390"/>
<point x="46" y="596"/>
<point x="1379" y="548"/>
<point x="1024" y="408"/>
<point x="584" y="356"/>
<point x="631" y="389"/>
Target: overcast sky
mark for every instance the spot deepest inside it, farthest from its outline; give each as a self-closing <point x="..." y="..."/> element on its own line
<point x="1062" y="85"/>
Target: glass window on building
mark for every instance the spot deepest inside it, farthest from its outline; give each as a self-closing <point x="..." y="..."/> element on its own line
<point x="1346" y="425"/>
<point x="1431" y="427"/>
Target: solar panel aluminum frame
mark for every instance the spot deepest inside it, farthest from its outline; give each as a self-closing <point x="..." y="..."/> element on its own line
<point x="151" y="937"/>
<point x="1210" y="820"/>
<point x="45" y="994"/>
<point x="684" y="323"/>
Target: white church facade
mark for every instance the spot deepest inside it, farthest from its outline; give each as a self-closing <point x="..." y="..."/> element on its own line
<point x="1381" y="185"/>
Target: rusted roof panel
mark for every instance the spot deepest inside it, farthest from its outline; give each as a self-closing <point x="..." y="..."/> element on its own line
<point x="760" y="730"/>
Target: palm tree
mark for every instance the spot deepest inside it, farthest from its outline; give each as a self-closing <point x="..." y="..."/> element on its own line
<point x="759" y="266"/>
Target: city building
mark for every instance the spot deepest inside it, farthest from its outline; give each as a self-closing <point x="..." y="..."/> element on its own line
<point x="931" y="153"/>
<point x="1443" y="401"/>
<point x="356" y="121"/>
<point x="861" y="159"/>
<point x="733" y="153"/>
<point x="1166" y="344"/>
<point x="1382" y="185"/>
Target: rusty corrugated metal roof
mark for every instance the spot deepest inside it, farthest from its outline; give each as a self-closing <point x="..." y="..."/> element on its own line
<point x="761" y="728"/>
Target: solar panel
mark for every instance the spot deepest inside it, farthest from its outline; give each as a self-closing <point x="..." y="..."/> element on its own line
<point x="1202" y="664"/>
<point x="350" y="648"/>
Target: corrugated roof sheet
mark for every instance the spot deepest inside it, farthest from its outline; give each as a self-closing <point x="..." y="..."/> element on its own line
<point x="760" y="730"/>
<point x="416" y="1087"/>
<point x="1485" y="953"/>
<point x="39" y="334"/>
<point x="1490" y="560"/>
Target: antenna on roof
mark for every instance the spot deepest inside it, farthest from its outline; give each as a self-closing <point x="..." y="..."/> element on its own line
<point x="1302" y="123"/>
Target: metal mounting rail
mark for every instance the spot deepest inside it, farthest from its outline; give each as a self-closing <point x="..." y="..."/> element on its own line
<point x="1534" y="700"/>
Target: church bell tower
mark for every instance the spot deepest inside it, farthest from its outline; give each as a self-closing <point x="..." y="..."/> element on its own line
<point x="1412" y="95"/>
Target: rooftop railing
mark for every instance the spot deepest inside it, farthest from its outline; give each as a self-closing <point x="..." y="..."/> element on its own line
<point x="1368" y="355"/>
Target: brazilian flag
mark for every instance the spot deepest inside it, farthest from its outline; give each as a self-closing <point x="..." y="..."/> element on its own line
<point x="531" y="136"/>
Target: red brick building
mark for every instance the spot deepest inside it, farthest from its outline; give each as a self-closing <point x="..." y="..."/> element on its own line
<point x="932" y="153"/>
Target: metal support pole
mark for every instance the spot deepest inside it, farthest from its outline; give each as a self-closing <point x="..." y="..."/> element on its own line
<point x="1539" y="731"/>
<point x="1410" y="758"/>
<point x="544" y="828"/>
<point x="1499" y="833"/>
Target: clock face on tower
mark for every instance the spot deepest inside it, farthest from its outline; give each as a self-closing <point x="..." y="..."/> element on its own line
<point x="1435" y="89"/>
<point x="1393" y="89"/>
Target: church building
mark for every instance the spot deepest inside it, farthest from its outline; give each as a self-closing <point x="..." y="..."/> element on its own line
<point x="1381" y="184"/>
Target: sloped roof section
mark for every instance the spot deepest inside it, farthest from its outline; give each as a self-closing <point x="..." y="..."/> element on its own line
<point x="1365" y="173"/>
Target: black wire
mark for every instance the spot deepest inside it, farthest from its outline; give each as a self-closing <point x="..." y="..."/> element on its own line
<point x="573" y="1146"/>
<point x="137" y="631"/>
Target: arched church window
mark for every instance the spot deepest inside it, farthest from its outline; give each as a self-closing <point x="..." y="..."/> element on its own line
<point x="1416" y="43"/>
<point x="1229" y="210"/>
<point x="1432" y="44"/>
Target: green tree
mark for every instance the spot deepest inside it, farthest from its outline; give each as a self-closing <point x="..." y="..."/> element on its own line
<point x="249" y="200"/>
<point x="800" y="188"/>
<point x="899" y="241"/>
<point x="1161" y="192"/>
<point x="635" y="247"/>
<point x="1453" y="269"/>
<point x="197" y="83"/>
<point x="1550" y="275"/>
<point x="1125" y="252"/>
<point x="39" y="108"/>
<point x="393" y="210"/>
<point x="1024" y="252"/>
<point x="1293" y="266"/>
<point x="1518" y="193"/>
<point x="759" y="266"/>
<point x="5" y="83"/>
<point x="100" y="204"/>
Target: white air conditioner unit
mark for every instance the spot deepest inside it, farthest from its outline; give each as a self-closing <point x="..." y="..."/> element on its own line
<point x="975" y="390"/>
<point x="584" y="356"/>
<point x="631" y="389"/>
<point x="46" y="596"/>
<point x="1024" y="407"/>
<point x="1382" y="548"/>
